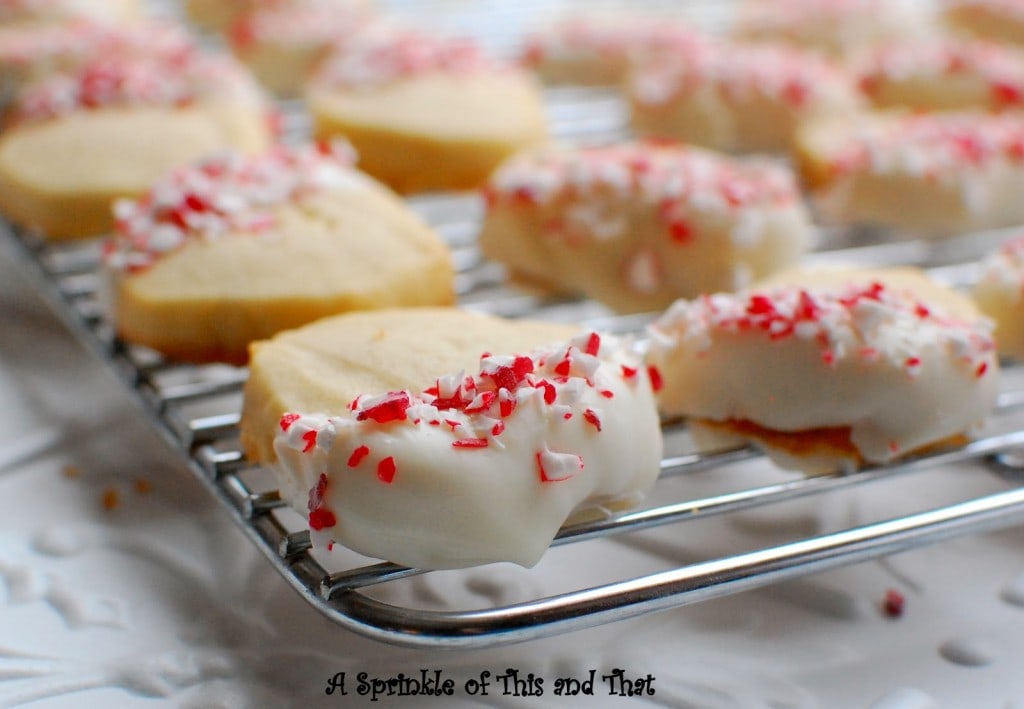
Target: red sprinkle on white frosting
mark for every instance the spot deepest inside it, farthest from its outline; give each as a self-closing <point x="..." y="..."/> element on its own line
<point x="871" y="323"/>
<point x="306" y="25"/>
<point x="935" y="146"/>
<point x="482" y="467"/>
<point x="478" y="411"/>
<point x="609" y="37"/>
<point x="796" y="78"/>
<point x="77" y="41"/>
<point x="385" y="54"/>
<point x="675" y="182"/>
<point x="998" y="68"/>
<point x="227" y="193"/>
<point x="120" y="80"/>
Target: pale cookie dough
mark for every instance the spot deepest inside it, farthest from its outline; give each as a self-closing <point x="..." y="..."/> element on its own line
<point x="999" y="20"/>
<point x="599" y="49"/>
<point x="639" y="225"/>
<point x="737" y="97"/>
<point x="932" y="173"/>
<point x="830" y="369"/>
<point x="944" y="73"/>
<point x="282" y="45"/>
<point x="837" y="27"/>
<point x="80" y="140"/>
<point x="999" y="293"/>
<point x="237" y="248"/>
<point x="26" y="12"/>
<point x="482" y="465"/>
<point x="325" y="365"/>
<point x="425" y="113"/>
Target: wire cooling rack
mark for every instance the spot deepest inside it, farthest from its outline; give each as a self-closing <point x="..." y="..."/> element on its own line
<point x="197" y="411"/>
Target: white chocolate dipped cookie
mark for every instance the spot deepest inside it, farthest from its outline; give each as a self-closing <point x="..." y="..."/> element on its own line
<point x="282" y="45"/>
<point x="126" y="121"/>
<point x="942" y="73"/>
<point x="737" y="97"/>
<point x="826" y="370"/>
<point x="323" y="366"/>
<point x="425" y="113"/>
<point x="238" y="248"/>
<point x="999" y="293"/>
<point x="482" y="467"/>
<point x="599" y="49"/>
<point x="999" y="20"/>
<point x="638" y="225"/>
<point x="837" y="27"/>
<point x="933" y="173"/>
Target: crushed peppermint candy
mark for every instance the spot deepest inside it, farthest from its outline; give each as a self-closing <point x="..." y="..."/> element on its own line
<point x="227" y="193"/>
<point x="309" y="25"/>
<point x="866" y="322"/>
<point x="680" y="185"/>
<point x="385" y="54"/>
<point x="800" y="79"/>
<point x="74" y="42"/>
<point x="611" y="37"/>
<point x="478" y="411"/>
<point x="935" y="146"/>
<point x="997" y="69"/>
<point x="173" y="80"/>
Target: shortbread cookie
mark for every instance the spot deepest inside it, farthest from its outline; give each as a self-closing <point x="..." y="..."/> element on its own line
<point x="325" y="365"/>
<point x="737" y="97"/>
<point x="26" y="12"/>
<point x="282" y="45"/>
<point x="935" y="173"/>
<point x="125" y="121"/>
<point x="829" y="369"/>
<point x="999" y="20"/>
<point x="483" y="467"/>
<point x="944" y="73"/>
<point x="599" y="49"/>
<point x="33" y="52"/>
<point x="834" y="26"/>
<point x="239" y="248"/>
<point x="425" y="113"/>
<point x="639" y="225"/>
<point x="999" y="292"/>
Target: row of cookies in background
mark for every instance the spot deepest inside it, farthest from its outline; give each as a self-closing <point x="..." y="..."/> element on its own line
<point x="573" y="423"/>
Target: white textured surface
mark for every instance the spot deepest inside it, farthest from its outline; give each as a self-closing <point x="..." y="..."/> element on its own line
<point x="161" y="602"/>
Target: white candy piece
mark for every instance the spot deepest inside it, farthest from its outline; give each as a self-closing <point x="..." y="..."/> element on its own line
<point x="487" y="473"/>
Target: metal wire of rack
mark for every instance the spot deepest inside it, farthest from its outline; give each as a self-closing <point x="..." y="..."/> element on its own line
<point x="196" y="410"/>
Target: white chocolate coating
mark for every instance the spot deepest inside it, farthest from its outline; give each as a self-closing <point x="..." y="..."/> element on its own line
<point x="599" y="48"/>
<point x="999" y="294"/>
<point x="877" y="355"/>
<point x="481" y="468"/>
<point x="942" y="73"/>
<point x="934" y="172"/>
<point x="638" y="225"/>
<point x="737" y="97"/>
